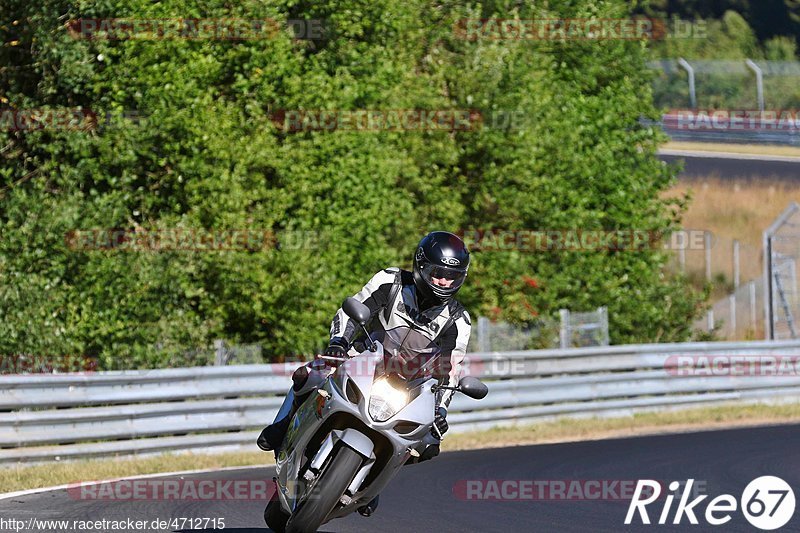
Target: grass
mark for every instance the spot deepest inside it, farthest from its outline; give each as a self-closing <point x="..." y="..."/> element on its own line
<point x="45" y="475"/>
<point x="757" y="149"/>
<point x="560" y="430"/>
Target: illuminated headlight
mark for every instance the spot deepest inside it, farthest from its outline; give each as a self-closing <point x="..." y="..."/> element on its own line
<point x="385" y="400"/>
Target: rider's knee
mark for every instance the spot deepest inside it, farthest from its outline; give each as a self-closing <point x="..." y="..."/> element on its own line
<point x="307" y="378"/>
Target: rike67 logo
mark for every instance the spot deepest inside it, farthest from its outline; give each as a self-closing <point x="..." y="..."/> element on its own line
<point x="767" y="503"/>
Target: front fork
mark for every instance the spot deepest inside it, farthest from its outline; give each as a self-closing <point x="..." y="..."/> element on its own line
<point x="354" y="439"/>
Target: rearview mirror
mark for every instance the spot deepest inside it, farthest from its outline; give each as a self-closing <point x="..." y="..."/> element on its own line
<point x="356" y="310"/>
<point x="473" y="387"/>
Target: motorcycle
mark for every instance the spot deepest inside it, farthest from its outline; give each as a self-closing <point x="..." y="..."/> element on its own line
<point x="372" y="414"/>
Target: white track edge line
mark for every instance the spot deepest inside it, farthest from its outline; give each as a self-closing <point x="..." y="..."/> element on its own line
<point x="7" y="495"/>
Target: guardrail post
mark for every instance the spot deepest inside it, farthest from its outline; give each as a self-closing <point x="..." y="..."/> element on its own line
<point x="707" y="244"/>
<point x="735" y="264"/>
<point x="753" y="305"/>
<point x="732" y="302"/>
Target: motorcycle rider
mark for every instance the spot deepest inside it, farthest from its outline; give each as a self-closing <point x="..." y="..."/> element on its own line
<point x="423" y="300"/>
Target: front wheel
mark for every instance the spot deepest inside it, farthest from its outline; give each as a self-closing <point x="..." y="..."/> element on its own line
<point x="326" y="492"/>
<point x="274" y="515"/>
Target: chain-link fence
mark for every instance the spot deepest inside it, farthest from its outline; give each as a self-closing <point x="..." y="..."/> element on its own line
<point x="488" y="336"/>
<point x="720" y="84"/>
<point x="782" y="250"/>
<point x="584" y="329"/>
<point x="571" y="330"/>
<point x="739" y="316"/>
<point x="769" y="306"/>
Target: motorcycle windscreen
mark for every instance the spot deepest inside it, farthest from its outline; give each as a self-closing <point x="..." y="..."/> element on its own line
<point x="409" y="354"/>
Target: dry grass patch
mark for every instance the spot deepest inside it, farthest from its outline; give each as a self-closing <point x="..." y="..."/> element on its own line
<point x="732" y="210"/>
<point x="756" y="149"/>
<point x="45" y="475"/>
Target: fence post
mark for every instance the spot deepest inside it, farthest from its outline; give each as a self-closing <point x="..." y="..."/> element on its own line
<point x="602" y="314"/>
<point x="219" y="353"/>
<point x="484" y="343"/>
<point x="564" y="335"/>
<point x="759" y="83"/>
<point x="753" y="304"/>
<point x="710" y="319"/>
<point x="767" y="247"/>
<point x="689" y="70"/>
<point x="735" y="264"/>
<point x="707" y="244"/>
<point x="732" y="302"/>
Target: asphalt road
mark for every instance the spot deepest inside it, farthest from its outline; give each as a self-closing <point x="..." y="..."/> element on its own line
<point x="431" y="496"/>
<point x="728" y="167"/>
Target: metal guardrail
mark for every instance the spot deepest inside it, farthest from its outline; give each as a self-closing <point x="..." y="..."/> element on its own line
<point x="53" y="417"/>
<point x="678" y="130"/>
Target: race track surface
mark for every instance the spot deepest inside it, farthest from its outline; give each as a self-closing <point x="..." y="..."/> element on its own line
<point x="422" y="497"/>
<point x="727" y="168"/>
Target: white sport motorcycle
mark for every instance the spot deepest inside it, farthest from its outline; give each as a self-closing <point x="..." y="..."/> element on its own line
<point x="348" y="439"/>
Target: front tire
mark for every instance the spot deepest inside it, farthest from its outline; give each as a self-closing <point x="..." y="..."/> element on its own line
<point x="274" y="515"/>
<point x="326" y="493"/>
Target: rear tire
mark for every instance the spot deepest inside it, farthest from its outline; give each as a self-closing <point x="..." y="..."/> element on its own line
<point x="326" y="493"/>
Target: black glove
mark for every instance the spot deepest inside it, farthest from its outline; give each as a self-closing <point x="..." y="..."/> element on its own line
<point x="335" y="350"/>
<point x="440" y="425"/>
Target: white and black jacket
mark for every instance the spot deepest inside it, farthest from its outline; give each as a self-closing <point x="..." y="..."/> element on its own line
<point x="393" y="302"/>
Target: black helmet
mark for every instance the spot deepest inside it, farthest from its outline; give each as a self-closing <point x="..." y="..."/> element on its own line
<point x="440" y="255"/>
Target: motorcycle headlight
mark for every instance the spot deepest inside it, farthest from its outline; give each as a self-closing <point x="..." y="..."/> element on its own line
<point x="385" y="401"/>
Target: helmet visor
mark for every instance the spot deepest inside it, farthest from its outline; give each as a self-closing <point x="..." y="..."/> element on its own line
<point x="442" y="277"/>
